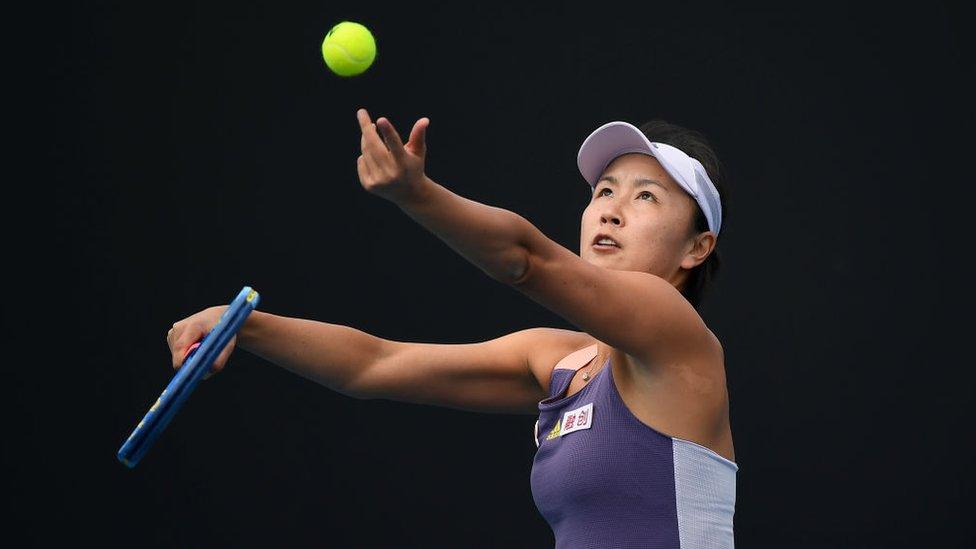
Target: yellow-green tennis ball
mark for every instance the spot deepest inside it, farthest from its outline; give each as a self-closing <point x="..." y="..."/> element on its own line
<point x="349" y="49"/>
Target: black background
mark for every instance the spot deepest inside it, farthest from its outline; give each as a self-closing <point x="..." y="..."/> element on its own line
<point x="170" y="153"/>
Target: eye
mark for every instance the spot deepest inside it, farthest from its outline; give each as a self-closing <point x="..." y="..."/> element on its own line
<point x="648" y="193"/>
<point x="600" y="192"/>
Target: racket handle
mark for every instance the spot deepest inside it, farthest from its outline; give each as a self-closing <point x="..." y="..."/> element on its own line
<point x="191" y="350"/>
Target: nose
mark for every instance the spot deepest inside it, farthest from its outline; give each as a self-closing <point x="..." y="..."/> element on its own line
<point x="609" y="216"/>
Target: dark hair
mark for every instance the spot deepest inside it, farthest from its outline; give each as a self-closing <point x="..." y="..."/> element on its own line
<point x="695" y="145"/>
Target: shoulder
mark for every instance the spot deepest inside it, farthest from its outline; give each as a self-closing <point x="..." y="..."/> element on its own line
<point x="697" y="370"/>
<point x="549" y="346"/>
<point x="694" y="343"/>
<point x="635" y="312"/>
<point x="695" y="362"/>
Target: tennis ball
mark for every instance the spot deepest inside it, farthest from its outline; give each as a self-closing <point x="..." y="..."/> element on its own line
<point x="348" y="49"/>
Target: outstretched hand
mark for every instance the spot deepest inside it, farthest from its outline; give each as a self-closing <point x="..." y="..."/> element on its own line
<point x="387" y="167"/>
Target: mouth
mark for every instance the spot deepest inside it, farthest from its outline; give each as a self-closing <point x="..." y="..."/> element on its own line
<point x="608" y="243"/>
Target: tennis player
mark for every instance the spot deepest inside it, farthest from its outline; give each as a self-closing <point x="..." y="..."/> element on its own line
<point x="634" y="441"/>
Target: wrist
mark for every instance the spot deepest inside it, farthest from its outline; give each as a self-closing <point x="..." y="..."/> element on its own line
<point x="249" y="331"/>
<point x="415" y="194"/>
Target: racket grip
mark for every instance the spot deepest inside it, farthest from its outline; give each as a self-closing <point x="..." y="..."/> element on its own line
<point x="191" y="350"/>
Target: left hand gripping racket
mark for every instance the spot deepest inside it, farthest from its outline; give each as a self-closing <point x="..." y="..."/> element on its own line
<point x="195" y="365"/>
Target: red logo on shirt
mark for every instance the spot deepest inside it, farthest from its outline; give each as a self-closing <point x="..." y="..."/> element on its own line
<point x="581" y="420"/>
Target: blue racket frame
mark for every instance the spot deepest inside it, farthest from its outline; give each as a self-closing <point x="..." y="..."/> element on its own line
<point x="195" y="366"/>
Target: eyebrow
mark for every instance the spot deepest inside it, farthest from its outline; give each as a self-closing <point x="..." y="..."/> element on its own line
<point x="639" y="182"/>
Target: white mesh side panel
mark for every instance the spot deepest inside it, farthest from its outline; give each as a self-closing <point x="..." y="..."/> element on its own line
<point x="704" y="484"/>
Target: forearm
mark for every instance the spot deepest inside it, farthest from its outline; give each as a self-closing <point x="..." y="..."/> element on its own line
<point x="492" y="238"/>
<point x="329" y="354"/>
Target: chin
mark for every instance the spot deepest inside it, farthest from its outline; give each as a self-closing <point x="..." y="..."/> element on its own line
<point x="598" y="259"/>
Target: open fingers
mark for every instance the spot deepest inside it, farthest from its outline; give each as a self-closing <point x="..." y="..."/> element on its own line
<point x="371" y="143"/>
<point x="364" y="120"/>
<point x="418" y="137"/>
<point x="391" y="137"/>
<point x="369" y="158"/>
<point x="362" y="169"/>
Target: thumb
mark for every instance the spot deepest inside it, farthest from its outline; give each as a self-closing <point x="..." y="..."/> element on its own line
<point x="418" y="137"/>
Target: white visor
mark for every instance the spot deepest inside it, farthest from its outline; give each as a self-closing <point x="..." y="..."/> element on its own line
<point x="616" y="138"/>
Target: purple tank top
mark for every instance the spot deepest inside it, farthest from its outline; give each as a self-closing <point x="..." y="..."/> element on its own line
<point x="603" y="478"/>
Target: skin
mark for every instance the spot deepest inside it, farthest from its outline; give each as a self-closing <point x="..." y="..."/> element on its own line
<point x="654" y="226"/>
<point x="684" y="395"/>
<point x="677" y="386"/>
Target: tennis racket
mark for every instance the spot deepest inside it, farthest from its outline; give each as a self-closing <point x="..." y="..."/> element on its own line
<point x="200" y="358"/>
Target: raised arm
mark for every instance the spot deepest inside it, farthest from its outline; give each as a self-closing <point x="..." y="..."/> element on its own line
<point x="636" y="312"/>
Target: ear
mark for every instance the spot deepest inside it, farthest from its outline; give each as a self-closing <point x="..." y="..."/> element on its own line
<point x="700" y="248"/>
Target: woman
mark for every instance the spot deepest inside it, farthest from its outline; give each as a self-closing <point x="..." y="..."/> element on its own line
<point x="634" y="443"/>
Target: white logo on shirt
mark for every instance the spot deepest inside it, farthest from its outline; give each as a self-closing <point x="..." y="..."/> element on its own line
<point x="577" y="420"/>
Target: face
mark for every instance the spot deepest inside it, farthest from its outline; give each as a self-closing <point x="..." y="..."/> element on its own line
<point x="649" y="215"/>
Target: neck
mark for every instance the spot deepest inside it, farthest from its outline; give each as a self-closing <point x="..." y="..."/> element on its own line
<point x="679" y="279"/>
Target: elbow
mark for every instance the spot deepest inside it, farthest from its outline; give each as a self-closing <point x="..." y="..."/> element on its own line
<point x="358" y="391"/>
<point x="518" y="260"/>
<point x="347" y="391"/>
<point x="360" y="385"/>
<point x="517" y="270"/>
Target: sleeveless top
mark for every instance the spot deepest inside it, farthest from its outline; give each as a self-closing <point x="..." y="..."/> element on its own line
<point x="603" y="478"/>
